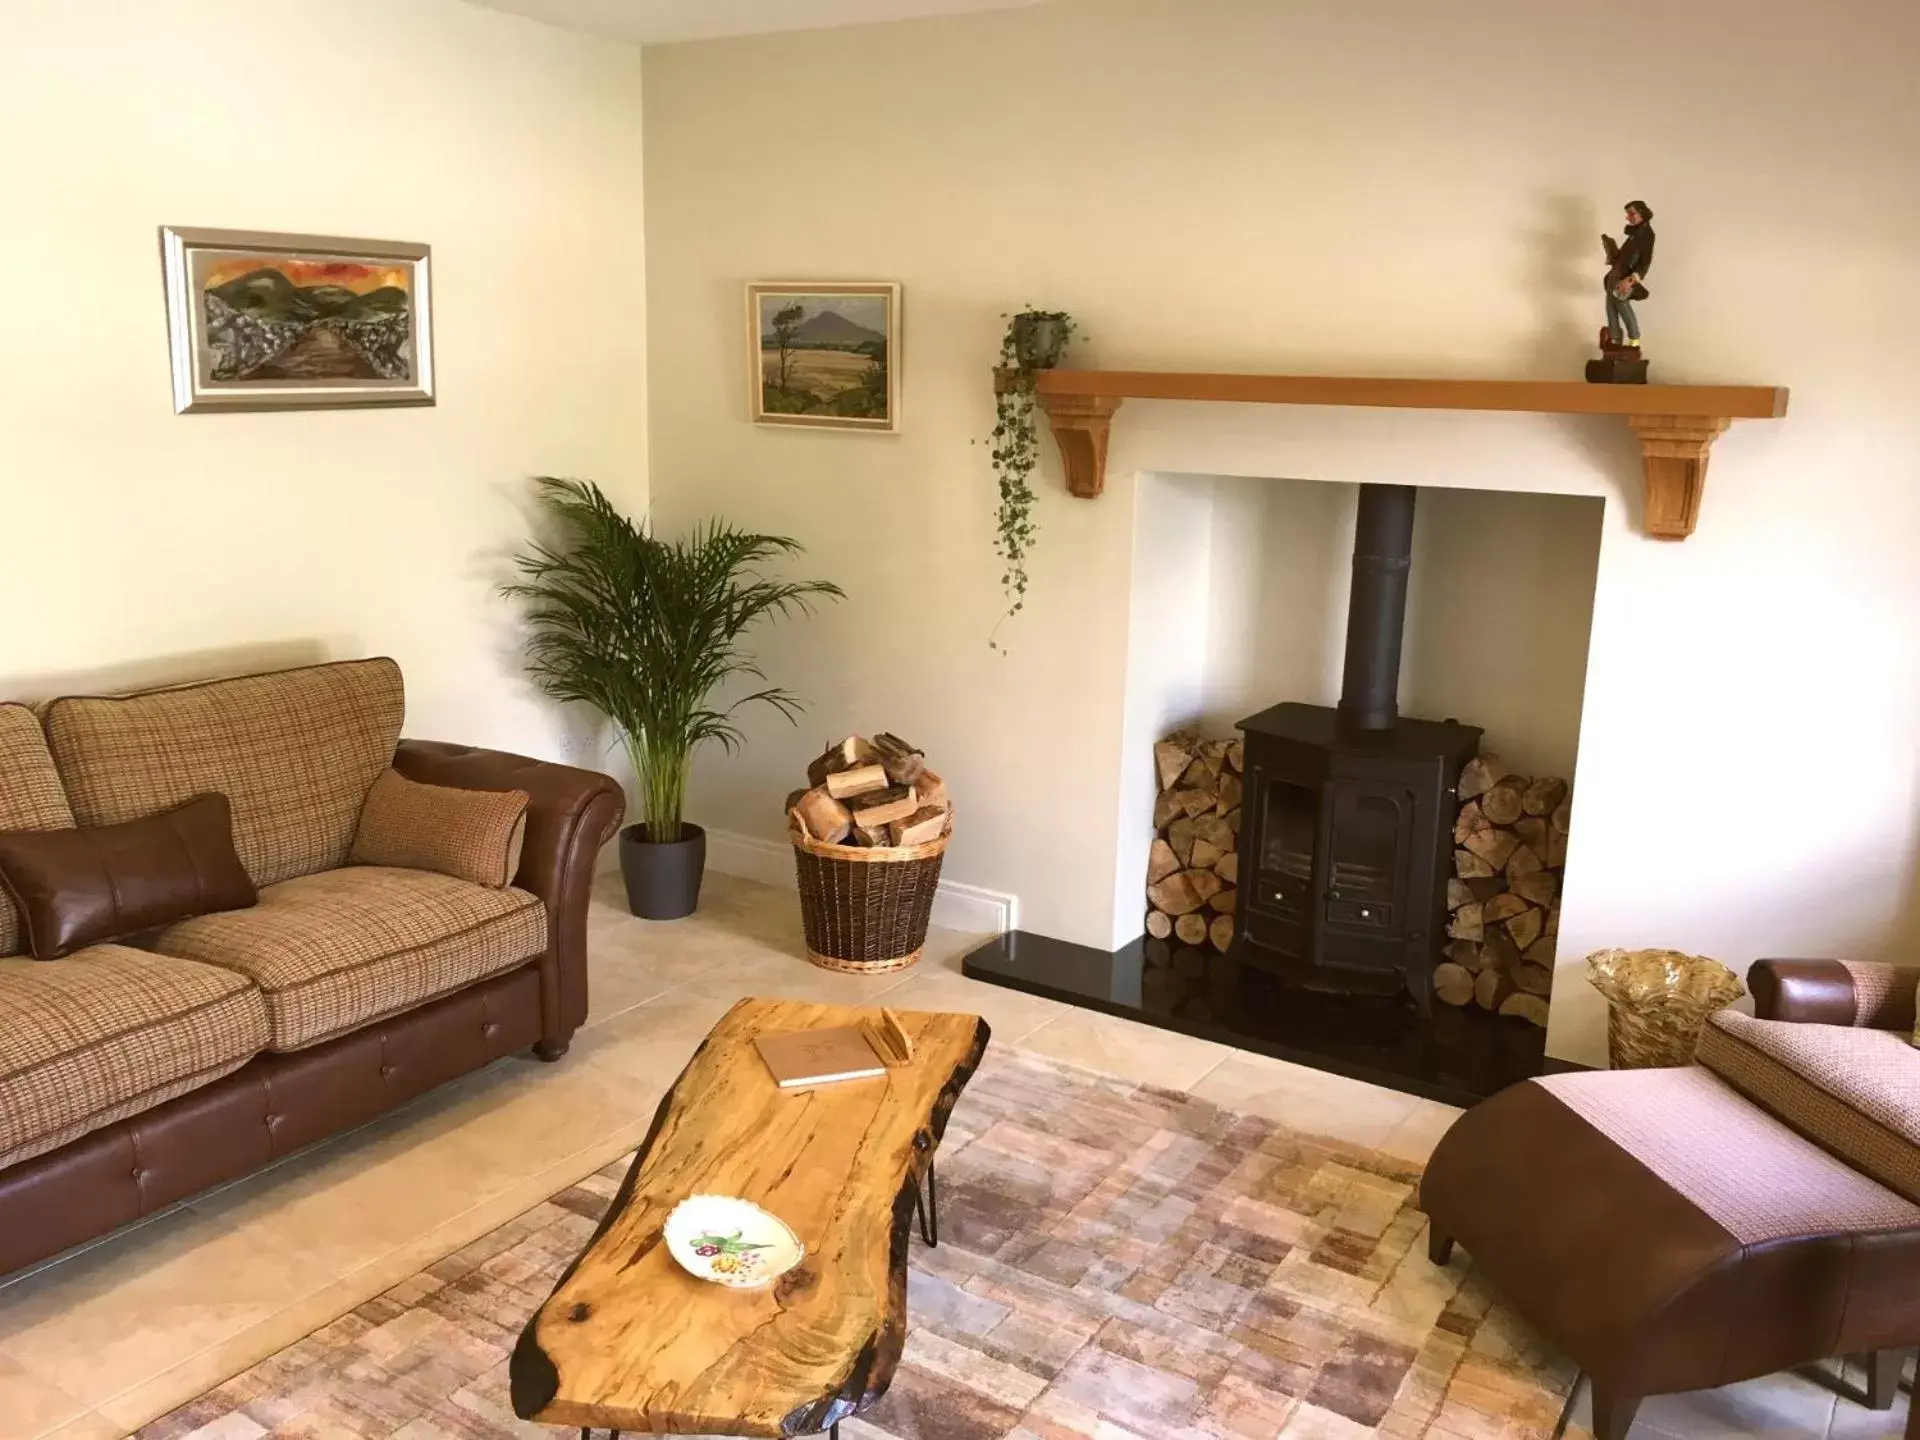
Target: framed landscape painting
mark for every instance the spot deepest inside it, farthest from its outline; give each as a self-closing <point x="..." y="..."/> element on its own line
<point x="262" y="321"/>
<point x="825" y="355"/>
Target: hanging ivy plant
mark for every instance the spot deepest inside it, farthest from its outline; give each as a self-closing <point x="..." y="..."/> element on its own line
<point x="1035" y="341"/>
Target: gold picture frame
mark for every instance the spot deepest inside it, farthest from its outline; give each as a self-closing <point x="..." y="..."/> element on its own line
<point x="259" y="320"/>
<point x="824" y="355"/>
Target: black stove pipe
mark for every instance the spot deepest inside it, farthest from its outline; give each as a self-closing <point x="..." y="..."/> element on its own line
<point x="1377" y="607"/>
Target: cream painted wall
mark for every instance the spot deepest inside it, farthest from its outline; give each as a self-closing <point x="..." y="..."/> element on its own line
<point x="145" y="546"/>
<point x="1390" y="188"/>
<point x="1499" y="618"/>
<point x="1282" y="563"/>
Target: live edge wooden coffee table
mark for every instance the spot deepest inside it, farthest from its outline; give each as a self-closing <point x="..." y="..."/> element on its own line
<point x="630" y="1341"/>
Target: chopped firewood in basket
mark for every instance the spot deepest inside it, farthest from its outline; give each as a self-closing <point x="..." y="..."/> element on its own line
<point x="901" y="761"/>
<point x="871" y="793"/>
<point x="931" y="789"/>
<point x="826" y="818"/>
<point x="861" y="780"/>
<point x="847" y="755"/>
<point x="883" y="807"/>
<point x="929" y="822"/>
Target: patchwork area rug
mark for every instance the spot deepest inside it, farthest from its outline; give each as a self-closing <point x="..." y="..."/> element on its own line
<point x="1116" y="1262"/>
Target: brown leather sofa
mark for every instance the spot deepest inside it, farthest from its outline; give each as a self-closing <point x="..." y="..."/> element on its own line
<point x="1684" y="1229"/>
<point x="296" y="753"/>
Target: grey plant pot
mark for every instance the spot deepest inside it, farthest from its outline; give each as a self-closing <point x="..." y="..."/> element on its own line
<point x="1039" y="339"/>
<point x="663" y="878"/>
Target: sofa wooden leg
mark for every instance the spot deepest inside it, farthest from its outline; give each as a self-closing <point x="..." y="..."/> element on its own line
<point x="1612" y="1413"/>
<point x="1883" y="1377"/>
<point x="552" y="1050"/>
<point x="1439" y="1245"/>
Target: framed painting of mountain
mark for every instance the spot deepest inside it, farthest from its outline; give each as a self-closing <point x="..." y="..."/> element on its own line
<point x="261" y="321"/>
<point x="825" y="354"/>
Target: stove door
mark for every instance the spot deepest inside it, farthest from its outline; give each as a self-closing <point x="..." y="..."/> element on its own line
<point x="1368" y="844"/>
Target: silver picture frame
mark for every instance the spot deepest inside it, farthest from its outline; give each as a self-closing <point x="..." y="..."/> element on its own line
<point x="247" y="331"/>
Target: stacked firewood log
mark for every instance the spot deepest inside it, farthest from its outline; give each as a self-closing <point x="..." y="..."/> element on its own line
<point x="1193" y="870"/>
<point x="871" y="793"/>
<point x="1510" y="848"/>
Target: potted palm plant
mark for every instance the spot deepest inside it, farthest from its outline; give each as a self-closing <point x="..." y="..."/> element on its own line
<point x="646" y="631"/>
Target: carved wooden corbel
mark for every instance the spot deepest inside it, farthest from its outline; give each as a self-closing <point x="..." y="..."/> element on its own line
<point x="1673" y="455"/>
<point x="1080" y="424"/>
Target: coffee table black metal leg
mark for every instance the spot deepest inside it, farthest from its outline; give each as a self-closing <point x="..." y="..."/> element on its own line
<point x="927" y="1206"/>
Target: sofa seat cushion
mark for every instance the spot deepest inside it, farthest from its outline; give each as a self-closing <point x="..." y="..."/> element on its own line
<point x="1855" y="1092"/>
<point x="295" y="752"/>
<point x="109" y="1032"/>
<point x="31" y="797"/>
<point x="337" y="950"/>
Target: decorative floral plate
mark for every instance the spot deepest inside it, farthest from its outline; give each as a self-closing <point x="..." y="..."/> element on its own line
<point x="731" y="1242"/>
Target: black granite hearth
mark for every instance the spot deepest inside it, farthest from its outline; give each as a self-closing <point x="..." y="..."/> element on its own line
<point x="1457" y="1055"/>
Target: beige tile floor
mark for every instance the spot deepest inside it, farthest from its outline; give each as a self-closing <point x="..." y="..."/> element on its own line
<point x="101" y="1341"/>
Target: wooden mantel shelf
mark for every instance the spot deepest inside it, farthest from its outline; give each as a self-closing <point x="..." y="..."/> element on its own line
<point x="1676" y="423"/>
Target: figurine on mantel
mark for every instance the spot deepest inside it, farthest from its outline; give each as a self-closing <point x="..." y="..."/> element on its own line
<point x="1628" y="260"/>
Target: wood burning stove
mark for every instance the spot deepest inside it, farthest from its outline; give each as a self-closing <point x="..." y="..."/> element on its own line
<point x="1346" y="822"/>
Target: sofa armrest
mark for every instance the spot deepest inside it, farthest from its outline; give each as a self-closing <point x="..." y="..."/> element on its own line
<point x="1862" y="993"/>
<point x="571" y="814"/>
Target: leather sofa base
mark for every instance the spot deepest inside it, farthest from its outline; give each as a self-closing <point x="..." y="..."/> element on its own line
<point x="274" y="1105"/>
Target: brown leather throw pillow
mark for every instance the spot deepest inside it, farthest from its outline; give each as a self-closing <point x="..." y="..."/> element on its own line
<point x="75" y="888"/>
<point x="471" y="835"/>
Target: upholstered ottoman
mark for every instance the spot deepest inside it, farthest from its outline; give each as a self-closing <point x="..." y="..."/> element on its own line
<point x="1670" y="1234"/>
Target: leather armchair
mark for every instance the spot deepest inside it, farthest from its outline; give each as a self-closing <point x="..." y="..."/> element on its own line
<point x="1693" y="1227"/>
<point x="571" y="815"/>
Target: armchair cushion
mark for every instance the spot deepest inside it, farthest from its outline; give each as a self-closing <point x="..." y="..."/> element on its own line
<point x="472" y="835"/>
<point x="1854" y="1092"/>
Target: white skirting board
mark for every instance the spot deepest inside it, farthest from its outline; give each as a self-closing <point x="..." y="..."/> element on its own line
<point x="955" y="906"/>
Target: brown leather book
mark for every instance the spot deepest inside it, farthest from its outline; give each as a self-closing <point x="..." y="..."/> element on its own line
<point x="819" y="1057"/>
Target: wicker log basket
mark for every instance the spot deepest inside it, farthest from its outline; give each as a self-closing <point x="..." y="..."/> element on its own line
<point x="1658" y="1002"/>
<point x="866" y="910"/>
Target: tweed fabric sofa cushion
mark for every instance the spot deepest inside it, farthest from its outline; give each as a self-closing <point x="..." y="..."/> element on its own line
<point x="109" y="1032"/>
<point x="1854" y="1092"/>
<point x="296" y="752"/>
<point x="335" y="951"/>
<point x="31" y="798"/>
<point x="474" y="835"/>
